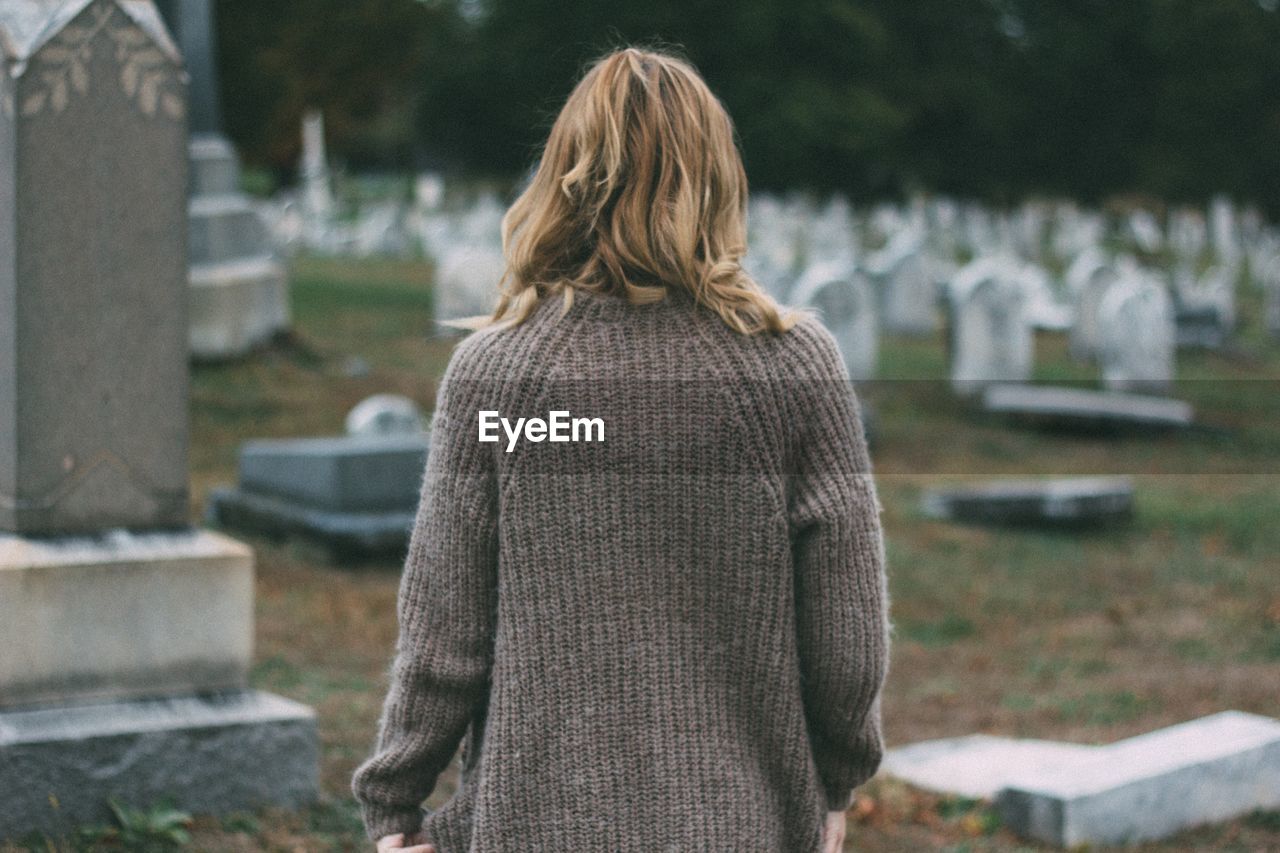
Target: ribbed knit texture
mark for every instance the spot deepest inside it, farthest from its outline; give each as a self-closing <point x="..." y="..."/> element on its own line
<point x="673" y="640"/>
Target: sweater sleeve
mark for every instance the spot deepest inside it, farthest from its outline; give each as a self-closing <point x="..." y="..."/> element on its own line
<point x="446" y="614"/>
<point x="841" y="591"/>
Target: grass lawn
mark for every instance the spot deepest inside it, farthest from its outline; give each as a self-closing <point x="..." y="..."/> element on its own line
<point x="1086" y="637"/>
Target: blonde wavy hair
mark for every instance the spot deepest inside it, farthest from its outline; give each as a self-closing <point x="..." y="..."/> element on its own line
<point x="640" y="188"/>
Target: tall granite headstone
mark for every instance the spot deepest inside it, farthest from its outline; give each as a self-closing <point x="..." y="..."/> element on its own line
<point x="93" y="430"/>
<point x="239" y="289"/>
<point x="126" y="634"/>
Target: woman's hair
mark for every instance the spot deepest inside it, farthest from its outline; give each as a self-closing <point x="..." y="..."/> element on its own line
<point x="640" y="188"/>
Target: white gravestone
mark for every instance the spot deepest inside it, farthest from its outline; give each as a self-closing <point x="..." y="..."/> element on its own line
<point x="385" y="414"/>
<point x="908" y="294"/>
<point x="1269" y="280"/>
<point x="1137" y="335"/>
<point x="467" y="282"/>
<point x="991" y="339"/>
<point x="845" y="300"/>
<point x="1088" y="279"/>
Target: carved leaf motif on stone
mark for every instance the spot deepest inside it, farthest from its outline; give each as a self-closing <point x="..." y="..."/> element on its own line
<point x="145" y="74"/>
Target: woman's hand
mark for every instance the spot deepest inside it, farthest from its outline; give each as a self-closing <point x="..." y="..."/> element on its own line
<point x="833" y="833"/>
<point x="398" y="841"/>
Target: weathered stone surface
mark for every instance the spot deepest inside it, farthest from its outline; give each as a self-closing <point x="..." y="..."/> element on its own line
<point x="990" y="336"/>
<point x="907" y="289"/>
<point x="93" y="176"/>
<point x="467" y="281"/>
<point x="341" y="535"/>
<point x="211" y="753"/>
<point x="215" y="169"/>
<point x="1078" y="408"/>
<point x="385" y="415"/>
<point x="1199" y="327"/>
<point x="1136" y="335"/>
<point x="1074" y="501"/>
<point x="978" y="766"/>
<point x="847" y="304"/>
<point x="342" y="473"/>
<point x="236" y="306"/>
<point x="1142" y="788"/>
<point x="123" y="614"/>
<point x="1151" y="786"/>
<point x="1088" y="279"/>
<point x="225" y="228"/>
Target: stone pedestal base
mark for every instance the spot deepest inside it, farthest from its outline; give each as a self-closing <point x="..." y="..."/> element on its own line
<point x="209" y="753"/>
<point x="339" y="536"/>
<point x="236" y="306"/>
<point x="239" y="291"/>
<point x="123" y="614"/>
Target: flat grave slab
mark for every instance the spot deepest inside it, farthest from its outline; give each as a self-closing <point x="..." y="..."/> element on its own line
<point x="1153" y="785"/>
<point x="1072" y="501"/>
<point x="977" y="766"/>
<point x="1080" y="408"/>
<point x="339" y="474"/>
<point x="212" y="753"/>
<point x="1143" y="788"/>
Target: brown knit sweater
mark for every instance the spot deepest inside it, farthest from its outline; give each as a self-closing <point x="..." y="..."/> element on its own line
<point x="672" y="639"/>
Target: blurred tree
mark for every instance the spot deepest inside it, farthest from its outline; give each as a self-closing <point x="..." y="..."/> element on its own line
<point x="986" y="98"/>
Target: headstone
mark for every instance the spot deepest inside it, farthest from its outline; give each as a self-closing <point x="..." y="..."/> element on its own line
<point x="846" y="302"/>
<point x="93" y="383"/>
<point x="830" y="235"/>
<point x="1204" y="308"/>
<point x="352" y="497"/>
<point x="991" y="340"/>
<point x="380" y="230"/>
<point x="109" y="596"/>
<point x="428" y="191"/>
<point x="239" y="296"/>
<point x="776" y="230"/>
<point x="1088" y="279"/>
<point x="978" y="766"/>
<point x="908" y="292"/>
<point x="1270" y="280"/>
<point x="1079" y="408"/>
<point x="1151" y="786"/>
<point x="1045" y="309"/>
<point x="467" y="278"/>
<point x="317" y="191"/>
<point x="1187" y="235"/>
<point x="383" y="415"/>
<point x="1144" y="788"/>
<point x="1067" y="502"/>
<point x="1145" y="231"/>
<point x="1137" y="335"/>
<point x="1222" y="226"/>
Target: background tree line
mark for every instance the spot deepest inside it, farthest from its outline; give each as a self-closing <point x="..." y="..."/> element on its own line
<point x="996" y="99"/>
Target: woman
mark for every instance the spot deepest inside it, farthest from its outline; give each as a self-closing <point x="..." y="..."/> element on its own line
<point x="670" y="633"/>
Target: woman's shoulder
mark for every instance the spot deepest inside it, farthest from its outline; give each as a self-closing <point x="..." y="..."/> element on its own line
<point x="497" y="351"/>
<point x="806" y="350"/>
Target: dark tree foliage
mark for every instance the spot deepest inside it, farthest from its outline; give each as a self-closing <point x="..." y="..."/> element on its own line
<point x="1173" y="99"/>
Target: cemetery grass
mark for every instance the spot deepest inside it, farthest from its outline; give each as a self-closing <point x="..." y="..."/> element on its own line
<point x="1086" y="636"/>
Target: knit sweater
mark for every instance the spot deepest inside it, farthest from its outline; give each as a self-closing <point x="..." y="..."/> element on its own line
<point x="674" y="638"/>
